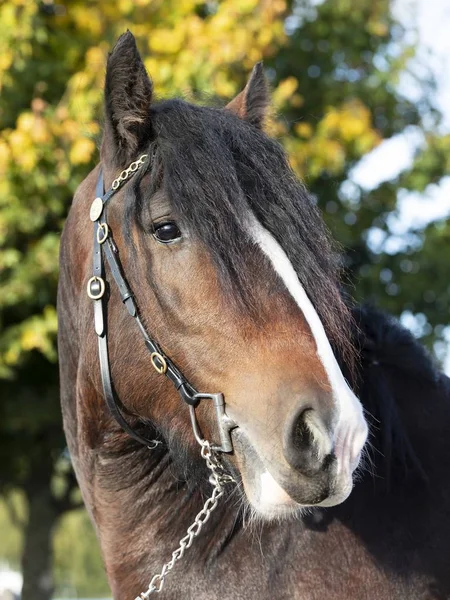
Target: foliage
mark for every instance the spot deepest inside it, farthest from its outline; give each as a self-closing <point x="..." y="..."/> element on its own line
<point x="12" y="513"/>
<point x="334" y="68"/>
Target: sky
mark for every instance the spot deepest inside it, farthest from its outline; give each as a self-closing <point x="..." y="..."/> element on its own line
<point x="431" y="20"/>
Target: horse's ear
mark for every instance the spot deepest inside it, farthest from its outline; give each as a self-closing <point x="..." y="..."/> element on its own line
<point x="128" y="94"/>
<point x="252" y="103"/>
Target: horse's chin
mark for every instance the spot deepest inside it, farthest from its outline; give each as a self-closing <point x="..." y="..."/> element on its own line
<point x="269" y="498"/>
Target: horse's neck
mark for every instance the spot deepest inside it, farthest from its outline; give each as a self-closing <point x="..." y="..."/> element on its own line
<point x="143" y="506"/>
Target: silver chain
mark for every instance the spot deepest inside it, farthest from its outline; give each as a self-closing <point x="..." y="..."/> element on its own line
<point x="128" y="172"/>
<point x="218" y="480"/>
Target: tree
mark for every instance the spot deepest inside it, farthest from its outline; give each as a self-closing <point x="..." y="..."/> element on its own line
<point x="333" y="68"/>
<point x="347" y="58"/>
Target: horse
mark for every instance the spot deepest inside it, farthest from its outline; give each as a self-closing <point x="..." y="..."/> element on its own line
<point x="316" y="465"/>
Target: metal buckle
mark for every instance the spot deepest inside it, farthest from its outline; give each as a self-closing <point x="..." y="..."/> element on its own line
<point x="101" y="237"/>
<point x="224" y="423"/>
<point x="162" y="367"/>
<point x="95" y="295"/>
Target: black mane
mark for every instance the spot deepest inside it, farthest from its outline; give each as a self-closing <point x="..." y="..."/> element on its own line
<point x="214" y="167"/>
<point x="389" y="353"/>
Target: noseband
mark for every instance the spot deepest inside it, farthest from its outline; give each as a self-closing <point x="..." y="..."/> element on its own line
<point x="104" y="247"/>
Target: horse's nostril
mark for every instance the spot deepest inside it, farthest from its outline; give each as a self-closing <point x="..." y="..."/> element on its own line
<point x="307" y="443"/>
<point x="302" y="436"/>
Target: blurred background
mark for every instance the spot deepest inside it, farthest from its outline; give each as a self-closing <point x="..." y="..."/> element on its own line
<point x="361" y="102"/>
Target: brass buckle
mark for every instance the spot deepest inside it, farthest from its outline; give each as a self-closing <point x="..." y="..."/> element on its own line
<point x="99" y="294"/>
<point x="162" y="368"/>
<point x="102" y="232"/>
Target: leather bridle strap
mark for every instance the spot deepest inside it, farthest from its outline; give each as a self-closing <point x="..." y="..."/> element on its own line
<point x="160" y="361"/>
<point x="100" y="321"/>
<point x="104" y="247"/>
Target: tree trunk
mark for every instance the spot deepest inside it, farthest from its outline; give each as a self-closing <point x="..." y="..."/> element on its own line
<point x="37" y="550"/>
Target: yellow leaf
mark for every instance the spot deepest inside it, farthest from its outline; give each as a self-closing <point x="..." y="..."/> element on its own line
<point x="284" y="91"/>
<point x="81" y="151"/>
<point x="304" y="130"/>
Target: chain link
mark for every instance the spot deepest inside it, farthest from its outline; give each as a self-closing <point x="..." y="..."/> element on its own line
<point x="218" y="479"/>
<point x="128" y="172"/>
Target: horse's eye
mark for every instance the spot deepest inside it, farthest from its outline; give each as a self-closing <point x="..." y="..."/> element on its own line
<point x="166" y="232"/>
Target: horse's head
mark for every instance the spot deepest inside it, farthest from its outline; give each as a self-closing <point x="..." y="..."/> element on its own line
<point x="235" y="277"/>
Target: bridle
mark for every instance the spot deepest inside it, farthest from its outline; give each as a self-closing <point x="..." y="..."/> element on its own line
<point x="104" y="247"/>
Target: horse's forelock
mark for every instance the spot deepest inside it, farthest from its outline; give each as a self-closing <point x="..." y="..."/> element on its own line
<point x="216" y="168"/>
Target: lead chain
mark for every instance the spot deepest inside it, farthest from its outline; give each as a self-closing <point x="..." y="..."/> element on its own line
<point x="128" y="172"/>
<point x="217" y="479"/>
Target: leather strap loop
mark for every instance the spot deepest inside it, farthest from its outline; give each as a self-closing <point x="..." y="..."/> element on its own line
<point x="110" y="395"/>
<point x="124" y="289"/>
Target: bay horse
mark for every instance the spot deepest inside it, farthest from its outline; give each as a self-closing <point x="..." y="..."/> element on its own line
<point x="195" y="223"/>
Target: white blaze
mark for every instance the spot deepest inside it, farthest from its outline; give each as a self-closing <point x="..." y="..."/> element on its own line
<point x="272" y="494"/>
<point x="351" y="430"/>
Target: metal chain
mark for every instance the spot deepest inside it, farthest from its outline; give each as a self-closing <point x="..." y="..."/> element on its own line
<point x="218" y="480"/>
<point x="128" y="172"/>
